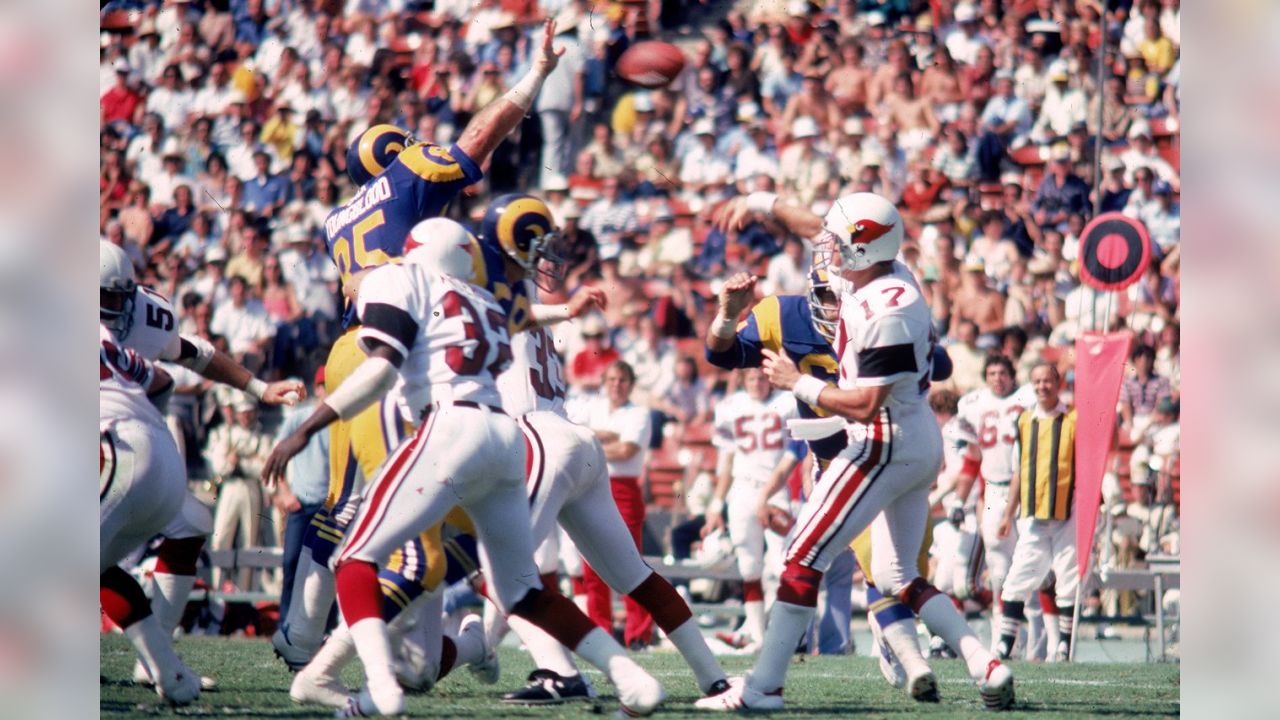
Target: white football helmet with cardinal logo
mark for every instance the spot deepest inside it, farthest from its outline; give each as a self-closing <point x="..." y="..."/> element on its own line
<point x="864" y="228"/>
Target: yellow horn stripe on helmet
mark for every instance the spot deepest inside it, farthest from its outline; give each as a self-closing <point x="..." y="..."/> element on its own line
<point x="515" y="212"/>
<point x="369" y="140"/>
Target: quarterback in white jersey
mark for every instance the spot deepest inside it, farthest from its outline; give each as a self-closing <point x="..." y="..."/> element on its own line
<point x="449" y="341"/>
<point x="568" y="483"/>
<point x="883" y="477"/>
<point x="752" y="438"/>
<point x="140" y="489"/>
<point x="145" y="322"/>
<point x="991" y="414"/>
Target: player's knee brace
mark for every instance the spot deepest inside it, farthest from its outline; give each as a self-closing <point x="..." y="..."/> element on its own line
<point x="917" y="592"/>
<point x="799" y="585"/>
<point x="122" y="598"/>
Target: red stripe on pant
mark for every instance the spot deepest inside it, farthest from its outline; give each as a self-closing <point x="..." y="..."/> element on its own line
<point x="630" y="501"/>
<point x="845" y="491"/>
<point x="386" y="484"/>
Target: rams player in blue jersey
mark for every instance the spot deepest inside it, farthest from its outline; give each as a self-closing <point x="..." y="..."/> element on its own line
<point x="402" y="182"/>
<point x="803" y="328"/>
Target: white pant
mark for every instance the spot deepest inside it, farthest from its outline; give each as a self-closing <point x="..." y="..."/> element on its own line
<point x="998" y="552"/>
<point x="754" y="545"/>
<point x="140" y="487"/>
<point x="883" y="475"/>
<point x="237" y="522"/>
<point x="569" y="482"/>
<point x="459" y="456"/>
<point x="953" y="550"/>
<point x="1043" y="545"/>
<point x="193" y="520"/>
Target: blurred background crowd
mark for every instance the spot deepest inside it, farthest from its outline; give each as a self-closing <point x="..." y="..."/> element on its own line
<point x="225" y="123"/>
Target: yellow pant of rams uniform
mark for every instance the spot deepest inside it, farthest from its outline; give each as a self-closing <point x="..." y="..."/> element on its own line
<point x="357" y="448"/>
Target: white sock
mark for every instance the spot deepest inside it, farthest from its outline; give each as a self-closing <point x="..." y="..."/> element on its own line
<point x="374" y="646"/>
<point x="313" y="597"/>
<point x="693" y="647"/>
<point x="336" y="653"/>
<point x="942" y="618"/>
<point x="495" y="625"/>
<point x="169" y="598"/>
<point x="547" y="652"/>
<point x="1035" y="634"/>
<point x="754" y="625"/>
<point x="1051" y="631"/>
<point x="901" y="639"/>
<point x="417" y="631"/>
<point x="154" y="646"/>
<point x="787" y="624"/>
<point x="603" y="652"/>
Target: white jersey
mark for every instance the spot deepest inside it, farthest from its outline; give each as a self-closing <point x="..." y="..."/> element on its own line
<point x="629" y="422"/>
<point x="885" y="337"/>
<point x="956" y="437"/>
<point x="154" y="333"/>
<point x="993" y="421"/>
<point x="755" y="431"/>
<point x="123" y="379"/>
<point x="452" y="334"/>
<point x="535" y="381"/>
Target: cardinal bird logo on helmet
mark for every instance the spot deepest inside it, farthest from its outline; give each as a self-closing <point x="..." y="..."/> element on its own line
<point x="864" y="231"/>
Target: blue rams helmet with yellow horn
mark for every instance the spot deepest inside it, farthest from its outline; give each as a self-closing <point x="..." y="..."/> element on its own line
<point x="522" y="227"/>
<point x="374" y="149"/>
<point x="824" y="302"/>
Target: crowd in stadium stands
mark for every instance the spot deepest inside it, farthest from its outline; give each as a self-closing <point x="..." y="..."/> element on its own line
<point x="225" y="124"/>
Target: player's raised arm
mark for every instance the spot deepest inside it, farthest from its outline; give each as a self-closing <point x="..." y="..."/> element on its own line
<point x="493" y="123"/>
<point x="738" y="212"/>
<point x="735" y="296"/>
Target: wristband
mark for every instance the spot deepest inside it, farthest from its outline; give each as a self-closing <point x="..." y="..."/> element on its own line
<point x="523" y="92"/>
<point x="762" y="202"/>
<point x="715" y="507"/>
<point x="723" y="327"/>
<point x="256" y="388"/>
<point x="807" y="389"/>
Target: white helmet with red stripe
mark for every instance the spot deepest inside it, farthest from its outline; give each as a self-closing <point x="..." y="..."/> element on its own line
<point x="444" y="246"/>
<point x="864" y="228"/>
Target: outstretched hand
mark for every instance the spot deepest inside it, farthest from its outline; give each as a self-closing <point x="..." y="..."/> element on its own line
<point x="278" y="392"/>
<point x="732" y="215"/>
<point x="585" y="299"/>
<point x="547" y="56"/>
<point x="737" y="294"/>
<point x="278" y="461"/>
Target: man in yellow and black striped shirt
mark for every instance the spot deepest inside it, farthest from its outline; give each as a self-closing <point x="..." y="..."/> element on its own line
<point x="1043" y="487"/>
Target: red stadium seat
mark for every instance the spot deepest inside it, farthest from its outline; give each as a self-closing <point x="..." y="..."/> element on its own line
<point x="119" y="21"/>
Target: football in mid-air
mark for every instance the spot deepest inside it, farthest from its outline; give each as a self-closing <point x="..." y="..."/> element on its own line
<point x="651" y="63"/>
<point x="780" y="521"/>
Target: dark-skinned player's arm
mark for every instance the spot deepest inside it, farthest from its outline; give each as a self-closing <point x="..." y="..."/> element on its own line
<point x="861" y="404"/>
<point x="366" y="384"/>
<point x="496" y="120"/>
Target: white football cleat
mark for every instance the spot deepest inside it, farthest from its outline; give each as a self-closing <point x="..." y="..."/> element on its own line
<point x="142" y="677"/>
<point x="180" y="685"/>
<point x="294" y="656"/>
<point x="924" y="688"/>
<point x="997" y="688"/>
<point x="741" y="697"/>
<point x="890" y="666"/>
<point x="486" y="669"/>
<point x="366" y="703"/>
<point x="312" y="687"/>
<point x="639" y="693"/>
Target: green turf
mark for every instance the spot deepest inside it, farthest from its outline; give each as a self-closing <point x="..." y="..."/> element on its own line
<point x="252" y="683"/>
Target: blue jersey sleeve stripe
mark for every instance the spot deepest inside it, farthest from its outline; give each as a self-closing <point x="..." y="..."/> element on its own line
<point x="470" y="170"/>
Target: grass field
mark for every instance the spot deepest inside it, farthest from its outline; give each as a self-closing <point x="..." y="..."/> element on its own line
<point x="252" y="683"/>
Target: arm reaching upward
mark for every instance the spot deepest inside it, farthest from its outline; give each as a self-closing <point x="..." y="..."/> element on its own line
<point x="492" y="124"/>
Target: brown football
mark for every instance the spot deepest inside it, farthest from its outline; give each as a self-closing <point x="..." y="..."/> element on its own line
<point x="780" y="521"/>
<point x="651" y="63"/>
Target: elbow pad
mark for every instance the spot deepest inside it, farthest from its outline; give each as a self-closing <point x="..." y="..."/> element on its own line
<point x="373" y="379"/>
<point x="196" y="353"/>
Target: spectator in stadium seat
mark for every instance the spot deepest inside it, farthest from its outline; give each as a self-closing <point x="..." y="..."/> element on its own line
<point x="803" y="170"/>
<point x="993" y="250"/>
<point x="703" y="166"/>
<point x="585" y="370"/>
<point x="1061" y="192"/>
<point x="1141" y="391"/>
<point x="611" y="218"/>
<point x="119" y="103"/>
<point x="1163" y="219"/>
<point x="245" y="324"/>
<point x="788" y="272"/>
<point x="265" y="193"/>
<point x="249" y="262"/>
<point x="1063" y="106"/>
<point x="1004" y="121"/>
<point x="1019" y="226"/>
<point x="559" y="105"/>
<point x="976" y="300"/>
<point x="965" y="39"/>
<point x="1142" y="152"/>
<point x="847" y="83"/>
